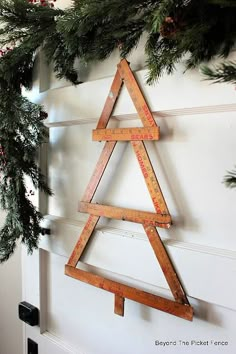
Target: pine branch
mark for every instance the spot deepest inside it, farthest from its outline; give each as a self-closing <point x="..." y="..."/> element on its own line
<point x="163" y="58"/>
<point x="16" y="66"/>
<point x="22" y="20"/>
<point x="226" y="72"/>
<point x="22" y="221"/>
<point x="93" y="29"/>
<point x="21" y="130"/>
<point x="230" y="179"/>
<point x="31" y="26"/>
<point x="25" y="15"/>
<point x="57" y="52"/>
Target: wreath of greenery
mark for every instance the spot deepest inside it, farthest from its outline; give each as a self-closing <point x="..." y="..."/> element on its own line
<point x="89" y="30"/>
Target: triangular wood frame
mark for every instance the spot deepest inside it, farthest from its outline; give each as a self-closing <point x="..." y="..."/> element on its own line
<point x="180" y="306"/>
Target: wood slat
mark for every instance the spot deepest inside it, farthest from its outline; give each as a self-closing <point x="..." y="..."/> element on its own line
<point x="143" y="297"/>
<point x="83" y="240"/>
<point x="166" y="265"/>
<point x="99" y="170"/>
<point x="150" y="177"/>
<point x="137" y="216"/>
<point x="136" y="94"/>
<point x="110" y="101"/>
<point x="119" y="305"/>
<point x="126" y="134"/>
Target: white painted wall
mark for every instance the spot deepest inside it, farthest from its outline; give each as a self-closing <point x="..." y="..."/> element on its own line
<point x="11" y="328"/>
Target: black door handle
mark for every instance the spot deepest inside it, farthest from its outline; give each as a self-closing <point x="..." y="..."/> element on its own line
<point x="28" y="313"/>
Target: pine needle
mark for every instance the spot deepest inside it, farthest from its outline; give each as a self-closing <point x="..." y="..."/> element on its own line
<point x="226" y="72"/>
<point x="230" y="179"/>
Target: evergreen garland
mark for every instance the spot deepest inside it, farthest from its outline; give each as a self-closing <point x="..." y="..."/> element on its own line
<point x="89" y="30"/>
<point x="225" y="72"/>
<point x="21" y="133"/>
<point x="92" y="29"/>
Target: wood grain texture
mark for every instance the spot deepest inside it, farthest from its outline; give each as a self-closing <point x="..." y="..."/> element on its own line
<point x="83" y="240"/>
<point x="166" y="265"/>
<point x="125" y="291"/>
<point x="99" y="171"/>
<point x="137" y="216"/>
<point x="110" y="101"/>
<point x="136" y="94"/>
<point x="150" y="177"/>
<point x="119" y="305"/>
<point x="126" y="134"/>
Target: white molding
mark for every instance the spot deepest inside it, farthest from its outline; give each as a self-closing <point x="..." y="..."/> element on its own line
<point x="157" y="114"/>
<point x="54" y="340"/>
<point x="51" y="220"/>
<point x="69" y="123"/>
<point x="46" y="337"/>
<point x="43" y="290"/>
<point x="220" y="252"/>
<point x="206" y="272"/>
<point x="173" y="95"/>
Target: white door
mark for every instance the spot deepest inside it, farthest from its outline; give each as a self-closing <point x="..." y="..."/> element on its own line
<point x="197" y="146"/>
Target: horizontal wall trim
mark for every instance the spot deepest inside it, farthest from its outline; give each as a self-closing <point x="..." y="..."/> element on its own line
<point x="206" y="272"/>
<point x="157" y="114"/>
<point x="59" y="343"/>
<point x="214" y="251"/>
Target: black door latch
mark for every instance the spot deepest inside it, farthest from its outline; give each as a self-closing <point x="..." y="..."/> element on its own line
<point x="28" y="313"/>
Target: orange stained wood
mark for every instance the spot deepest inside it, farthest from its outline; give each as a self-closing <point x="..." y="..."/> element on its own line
<point x="172" y="307"/>
<point x="166" y="265"/>
<point x="83" y="240"/>
<point x="150" y="177"/>
<point x="99" y="170"/>
<point x="126" y="134"/>
<point x="119" y="305"/>
<point x="136" y="94"/>
<point x="110" y="101"/>
<point x="137" y="216"/>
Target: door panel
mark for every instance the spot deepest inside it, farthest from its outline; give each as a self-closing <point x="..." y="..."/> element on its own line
<point x="190" y="163"/>
<point x="80" y="319"/>
<point x="197" y="146"/>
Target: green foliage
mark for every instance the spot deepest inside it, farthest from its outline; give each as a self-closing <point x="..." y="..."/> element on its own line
<point x="230" y="179"/>
<point x="226" y="72"/>
<point x="22" y="19"/>
<point x="197" y="29"/>
<point x="21" y="128"/>
<point x="31" y="26"/>
<point x="57" y="52"/>
<point x="93" y="29"/>
<point x="21" y="133"/>
<point x="16" y="66"/>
